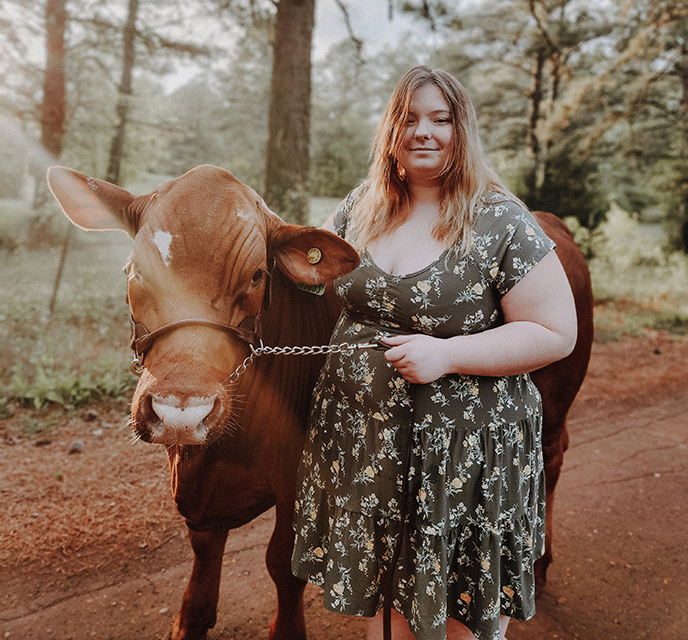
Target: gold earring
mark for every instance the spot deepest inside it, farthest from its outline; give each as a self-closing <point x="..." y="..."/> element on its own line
<point x="401" y="172"/>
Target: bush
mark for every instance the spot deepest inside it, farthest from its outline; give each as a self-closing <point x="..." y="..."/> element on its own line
<point x="672" y="322"/>
<point x="638" y="284"/>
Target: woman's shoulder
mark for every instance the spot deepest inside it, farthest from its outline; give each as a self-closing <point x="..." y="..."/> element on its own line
<point x="500" y="204"/>
<point x="503" y="211"/>
<point x="507" y="220"/>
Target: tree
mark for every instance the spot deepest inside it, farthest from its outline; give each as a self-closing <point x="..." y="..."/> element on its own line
<point x="352" y="92"/>
<point x="54" y="103"/>
<point x="656" y="116"/>
<point x="221" y="118"/>
<point x="681" y="68"/>
<point x="287" y="163"/>
<point x="125" y="92"/>
<point x="521" y="61"/>
<point x="154" y="43"/>
<point x="342" y="125"/>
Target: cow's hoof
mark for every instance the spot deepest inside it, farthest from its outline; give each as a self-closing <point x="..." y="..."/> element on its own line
<point x="184" y="632"/>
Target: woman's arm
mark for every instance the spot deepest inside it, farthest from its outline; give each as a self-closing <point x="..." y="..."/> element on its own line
<point x="540" y="328"/>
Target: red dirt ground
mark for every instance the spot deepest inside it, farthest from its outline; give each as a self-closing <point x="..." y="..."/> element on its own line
<point x="91" y="547"/>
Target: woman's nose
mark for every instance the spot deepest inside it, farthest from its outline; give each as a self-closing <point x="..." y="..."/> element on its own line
<point x="423" y="130"/>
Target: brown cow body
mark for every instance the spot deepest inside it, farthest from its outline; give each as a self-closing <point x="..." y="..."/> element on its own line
<point x="560" y="381"/>
<point x="203" y="246"/>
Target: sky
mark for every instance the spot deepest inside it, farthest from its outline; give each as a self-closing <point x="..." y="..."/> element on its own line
<point x="369" y="21"/>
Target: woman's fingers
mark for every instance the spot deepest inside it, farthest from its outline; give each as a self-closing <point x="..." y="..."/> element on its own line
<point x="415" y="357"/>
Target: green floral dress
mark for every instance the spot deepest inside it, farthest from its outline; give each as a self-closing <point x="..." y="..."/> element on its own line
<point x="458" y="460"/>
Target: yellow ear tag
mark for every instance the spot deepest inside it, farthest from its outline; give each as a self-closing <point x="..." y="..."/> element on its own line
<point x="314" y="255"/>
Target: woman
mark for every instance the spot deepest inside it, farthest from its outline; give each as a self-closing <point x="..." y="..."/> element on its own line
<point x="422" y="481"/>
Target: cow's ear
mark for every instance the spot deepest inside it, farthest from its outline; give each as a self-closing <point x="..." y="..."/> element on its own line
<point x="309" y="255"/>
<point x="91" y="203"/>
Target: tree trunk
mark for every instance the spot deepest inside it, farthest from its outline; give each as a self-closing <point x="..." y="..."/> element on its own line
<point x="125" y="93"/>
<point x="287" y="163"/>
<point x="532" y="141"/>
<point x="54" y="107"/>
<point x="682" y="69"/>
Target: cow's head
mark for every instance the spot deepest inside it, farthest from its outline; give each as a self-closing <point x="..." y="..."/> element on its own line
<point x="204" y="246"/>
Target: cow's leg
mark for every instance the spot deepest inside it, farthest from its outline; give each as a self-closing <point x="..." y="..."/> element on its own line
<point x="199" y="605"/>
<point x="554" y="457"/>
<point x="289" y="624"/>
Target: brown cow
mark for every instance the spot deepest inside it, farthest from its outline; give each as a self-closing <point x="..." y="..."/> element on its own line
<point x="204" y="245"/>
<point x="203" y="248"/>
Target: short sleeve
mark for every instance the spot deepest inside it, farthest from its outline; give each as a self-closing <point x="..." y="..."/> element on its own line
<point x="520" y="243"/>
<point x="341" y="215"/>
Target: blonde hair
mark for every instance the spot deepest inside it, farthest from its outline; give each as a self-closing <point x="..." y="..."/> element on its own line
<point x="383" y="200"/>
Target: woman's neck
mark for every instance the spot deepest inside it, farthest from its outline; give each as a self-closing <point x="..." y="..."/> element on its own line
<point x="425" y="200"/>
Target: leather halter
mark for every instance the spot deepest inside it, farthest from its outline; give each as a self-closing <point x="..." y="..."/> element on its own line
<point x="249" y="330"/>
<point x="142" y="339"/>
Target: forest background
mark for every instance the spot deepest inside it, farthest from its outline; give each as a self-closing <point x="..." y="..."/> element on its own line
<point x="583" y="109"/>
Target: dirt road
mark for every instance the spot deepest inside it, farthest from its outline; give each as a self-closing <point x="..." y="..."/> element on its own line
<point x="621" y="546"/>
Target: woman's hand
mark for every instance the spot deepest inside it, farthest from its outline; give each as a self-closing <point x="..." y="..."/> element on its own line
<point x="418" y="358"/>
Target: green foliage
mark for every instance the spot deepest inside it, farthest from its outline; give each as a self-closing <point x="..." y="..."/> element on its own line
<point x="221" y="118"/>
<point x="350" y="94"/>
<point x="672" y="322"/>
<point x="6" y="410"/>
<point x="629" y="263"/>
<point x="80" y="354"/>
<point x="582" y="235"/>
<point x="340" y="159"/>
<point x="14" y="215"/>
<point x="638" y="282"/>
<point x="21" y="226"/>
<point x="52" y="383"/>
<point x="569" y="189"/>
<point x="14" y="153"/>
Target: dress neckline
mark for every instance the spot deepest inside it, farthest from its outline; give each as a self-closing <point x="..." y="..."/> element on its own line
<point x="413" y="274"/>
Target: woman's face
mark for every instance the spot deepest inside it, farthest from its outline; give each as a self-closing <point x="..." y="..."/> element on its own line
<point x="429" y="136"/>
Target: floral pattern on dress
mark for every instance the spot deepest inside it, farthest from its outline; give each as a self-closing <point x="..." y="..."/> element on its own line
<point x="452" y="471"/>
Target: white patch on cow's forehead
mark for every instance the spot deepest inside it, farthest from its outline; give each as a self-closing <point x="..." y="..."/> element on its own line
<point x="162" y="240"/>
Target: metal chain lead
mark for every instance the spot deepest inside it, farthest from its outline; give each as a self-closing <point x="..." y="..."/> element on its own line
<point x="344" y="347"/>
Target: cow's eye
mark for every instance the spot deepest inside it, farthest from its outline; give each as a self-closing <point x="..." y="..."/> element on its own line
<point x="257" y="275"/>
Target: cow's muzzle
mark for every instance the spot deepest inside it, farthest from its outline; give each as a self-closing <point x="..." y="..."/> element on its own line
<point x="166" y="420"/>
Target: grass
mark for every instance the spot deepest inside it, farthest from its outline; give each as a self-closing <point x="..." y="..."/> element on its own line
<point x="615" y="319"/>
<point x="638" y="286"/>
<point x="80" y="353"/>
